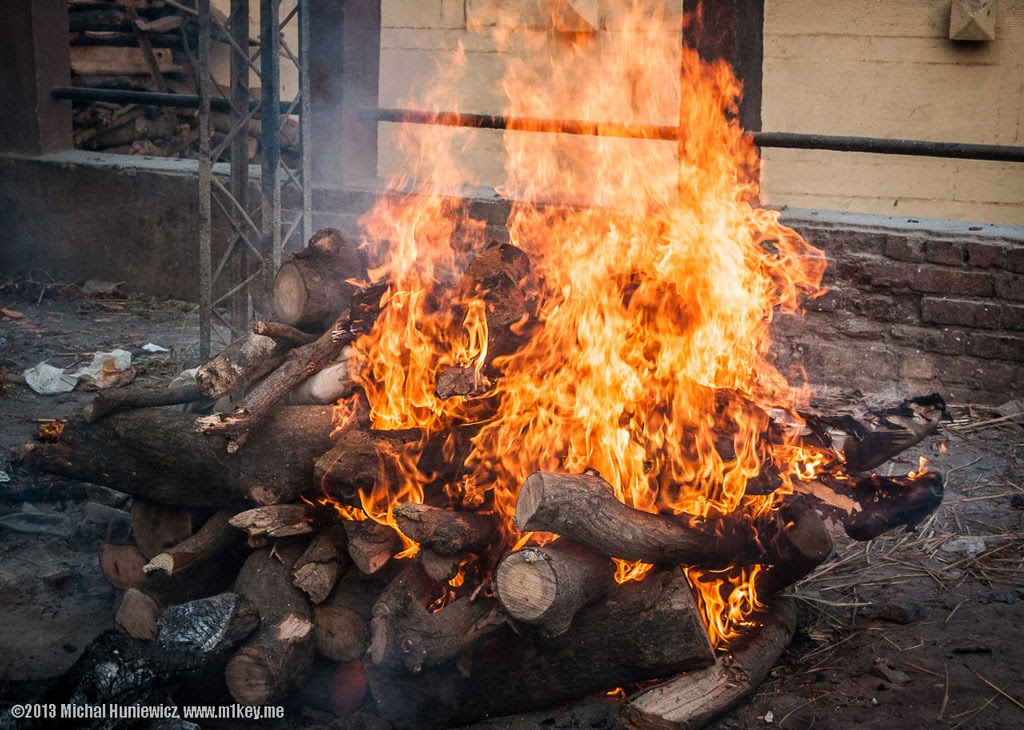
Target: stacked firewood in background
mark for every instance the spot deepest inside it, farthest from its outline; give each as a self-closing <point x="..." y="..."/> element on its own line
<point x="261" y="499"/>
<point x="146" y="45"/>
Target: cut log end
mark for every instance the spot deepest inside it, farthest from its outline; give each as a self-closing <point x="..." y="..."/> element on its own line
<point x="527" y="584"/>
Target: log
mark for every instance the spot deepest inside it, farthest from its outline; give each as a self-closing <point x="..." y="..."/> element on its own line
<point x="275" y="659"/>
<point x="299" y="364"/>
<point x="641" y="631"/>
<point x="209" y="542"/>
<point x="106" y="402"/>
<point x="137" y="614"/>
<point x="283" y="334"/>
<point x="322" y="563"/>
<point x="371" y="545"/>
<point x="240" y="364"/>
<point x="342" y="621"/>
<point x="405" y="635"/>
<point x="445" y="531"/>
<point x="157" y="526"/>
<point x="212" y="625"/>
<point x="275" y="521"/>
<point x="353" y="461"/>
<point x="122" y="565"/>
<point x="583" y="508"/>
<point x="329" y="385"/>
<point x="547" y="586"/>
<point x="155" y="453"/>
<point x="312" y="287"/>
<point x="441" y="568"/>
<point x="800" y="545"/>
<point x="695" y="699"/>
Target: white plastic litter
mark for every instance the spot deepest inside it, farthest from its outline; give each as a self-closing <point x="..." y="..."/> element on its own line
<point x="107" y="370"/>
<point x="154" y="348"/>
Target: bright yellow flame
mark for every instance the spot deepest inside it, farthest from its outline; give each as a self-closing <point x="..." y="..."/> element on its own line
<point x="658" y="279"/>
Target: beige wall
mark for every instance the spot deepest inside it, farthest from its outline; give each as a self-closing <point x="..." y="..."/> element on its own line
<point x="859" y="67"/>
<point x="887" y="69"/>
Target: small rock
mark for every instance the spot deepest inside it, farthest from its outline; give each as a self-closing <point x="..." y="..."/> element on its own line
<point x="897" y="612"/>
<point x="889" y="674"/>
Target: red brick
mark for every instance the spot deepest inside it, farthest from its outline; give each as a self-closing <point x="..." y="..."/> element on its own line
<point x="944" y="341"/>
<point x="1015" y="259"/>
<point x="995" y="346"/>
<point x="1011" y="317"/>
<point x="986" y="255"/>
<point x="838" y="242"/>
<point x="947" y="280"/>
<point x="888" y="274"/>
<point x="1010" y="287"/>
<point x="951" y="253"/>
<point x="903" y="248"/>
<point x="980" y="373"/>
<point x="960" y="312"/>
<point x="918" y="367"/>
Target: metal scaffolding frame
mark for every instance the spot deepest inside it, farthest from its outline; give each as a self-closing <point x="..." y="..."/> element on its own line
<point x="242" y="276"/>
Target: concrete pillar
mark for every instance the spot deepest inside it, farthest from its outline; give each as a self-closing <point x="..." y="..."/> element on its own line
<point x="34" y="57"/>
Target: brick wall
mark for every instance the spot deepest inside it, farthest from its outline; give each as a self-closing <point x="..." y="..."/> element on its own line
<point x="913" y="311"/>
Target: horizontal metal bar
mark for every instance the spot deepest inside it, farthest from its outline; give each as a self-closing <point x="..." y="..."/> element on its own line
<point x="790" y="140"/>
<point x="152" y="98"/>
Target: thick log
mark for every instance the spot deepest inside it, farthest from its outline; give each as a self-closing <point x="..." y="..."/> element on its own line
<point x="405" y="635"/>
<point x="275" y="659"/>
<point x="209" y="542"/>
<point x="547" y="586"/>
<point x="312" y="287"/>
<point x="239" y="365"/>
<point x="446" y="531"/>
<point x="641" y="631"/>
<point x="693" y="700"/>
<point x="442" y="568"/>
<point x="321" y="564"/>
<point x="155" y="453"/>
<point x="156" y="526"/>
<point x="583" y="508"/>
<point x="213" y="624"/>
<point x="342" y="622"/>
<point x="873" y="505"/>
<point x="329" y="385"/>
<point x="106" y="402"/>
<point x="353" y="461"/>
<point x="800" y="544"/>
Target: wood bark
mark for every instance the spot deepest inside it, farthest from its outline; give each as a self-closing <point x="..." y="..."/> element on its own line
<point x="275" y="659"/>
<point x="405" y="635"/>
<point x="155" y="453"/>
<point x="106" y="402"/>
<point x="693" y="700"/>
<point x="370" y="544"/>
<point x="446" y="531"/>
<point x="239" y="365"/>
<point x="283" y="334"/>
<point x="641" y="631"/>
<point x="583" y="508"/>
<point x="547" y="586"/>
<point x="312" y="287"/>
<point x="274" y="521"/>
<point x="209" y="542"/>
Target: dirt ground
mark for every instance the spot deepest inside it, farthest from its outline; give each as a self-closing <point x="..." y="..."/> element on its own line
<point x="922" y="629"/>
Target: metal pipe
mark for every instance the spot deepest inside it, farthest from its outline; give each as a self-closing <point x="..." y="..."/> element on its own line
<point x="205" y="176"/>
<point x="873" y="145"/>
<point x="126" y="96"/>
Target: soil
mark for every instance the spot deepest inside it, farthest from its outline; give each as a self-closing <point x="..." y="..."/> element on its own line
<point x="910" y="630"/>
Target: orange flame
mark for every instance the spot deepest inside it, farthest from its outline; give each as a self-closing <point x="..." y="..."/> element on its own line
<point x="658" y="282"/>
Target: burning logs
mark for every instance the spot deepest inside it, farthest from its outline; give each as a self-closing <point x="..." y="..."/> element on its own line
<point x="312" y="283"/>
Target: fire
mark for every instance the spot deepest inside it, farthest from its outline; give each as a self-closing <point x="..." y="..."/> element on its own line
<point x="655" y="279"/>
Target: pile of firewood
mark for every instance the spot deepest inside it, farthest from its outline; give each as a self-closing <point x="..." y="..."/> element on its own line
<point x="260" y="500"/>
<point x="147" y="45"/>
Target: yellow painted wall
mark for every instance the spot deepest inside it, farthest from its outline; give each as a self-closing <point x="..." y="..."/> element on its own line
<point x="860" y="67"/>
<point x="887" y="69"/>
